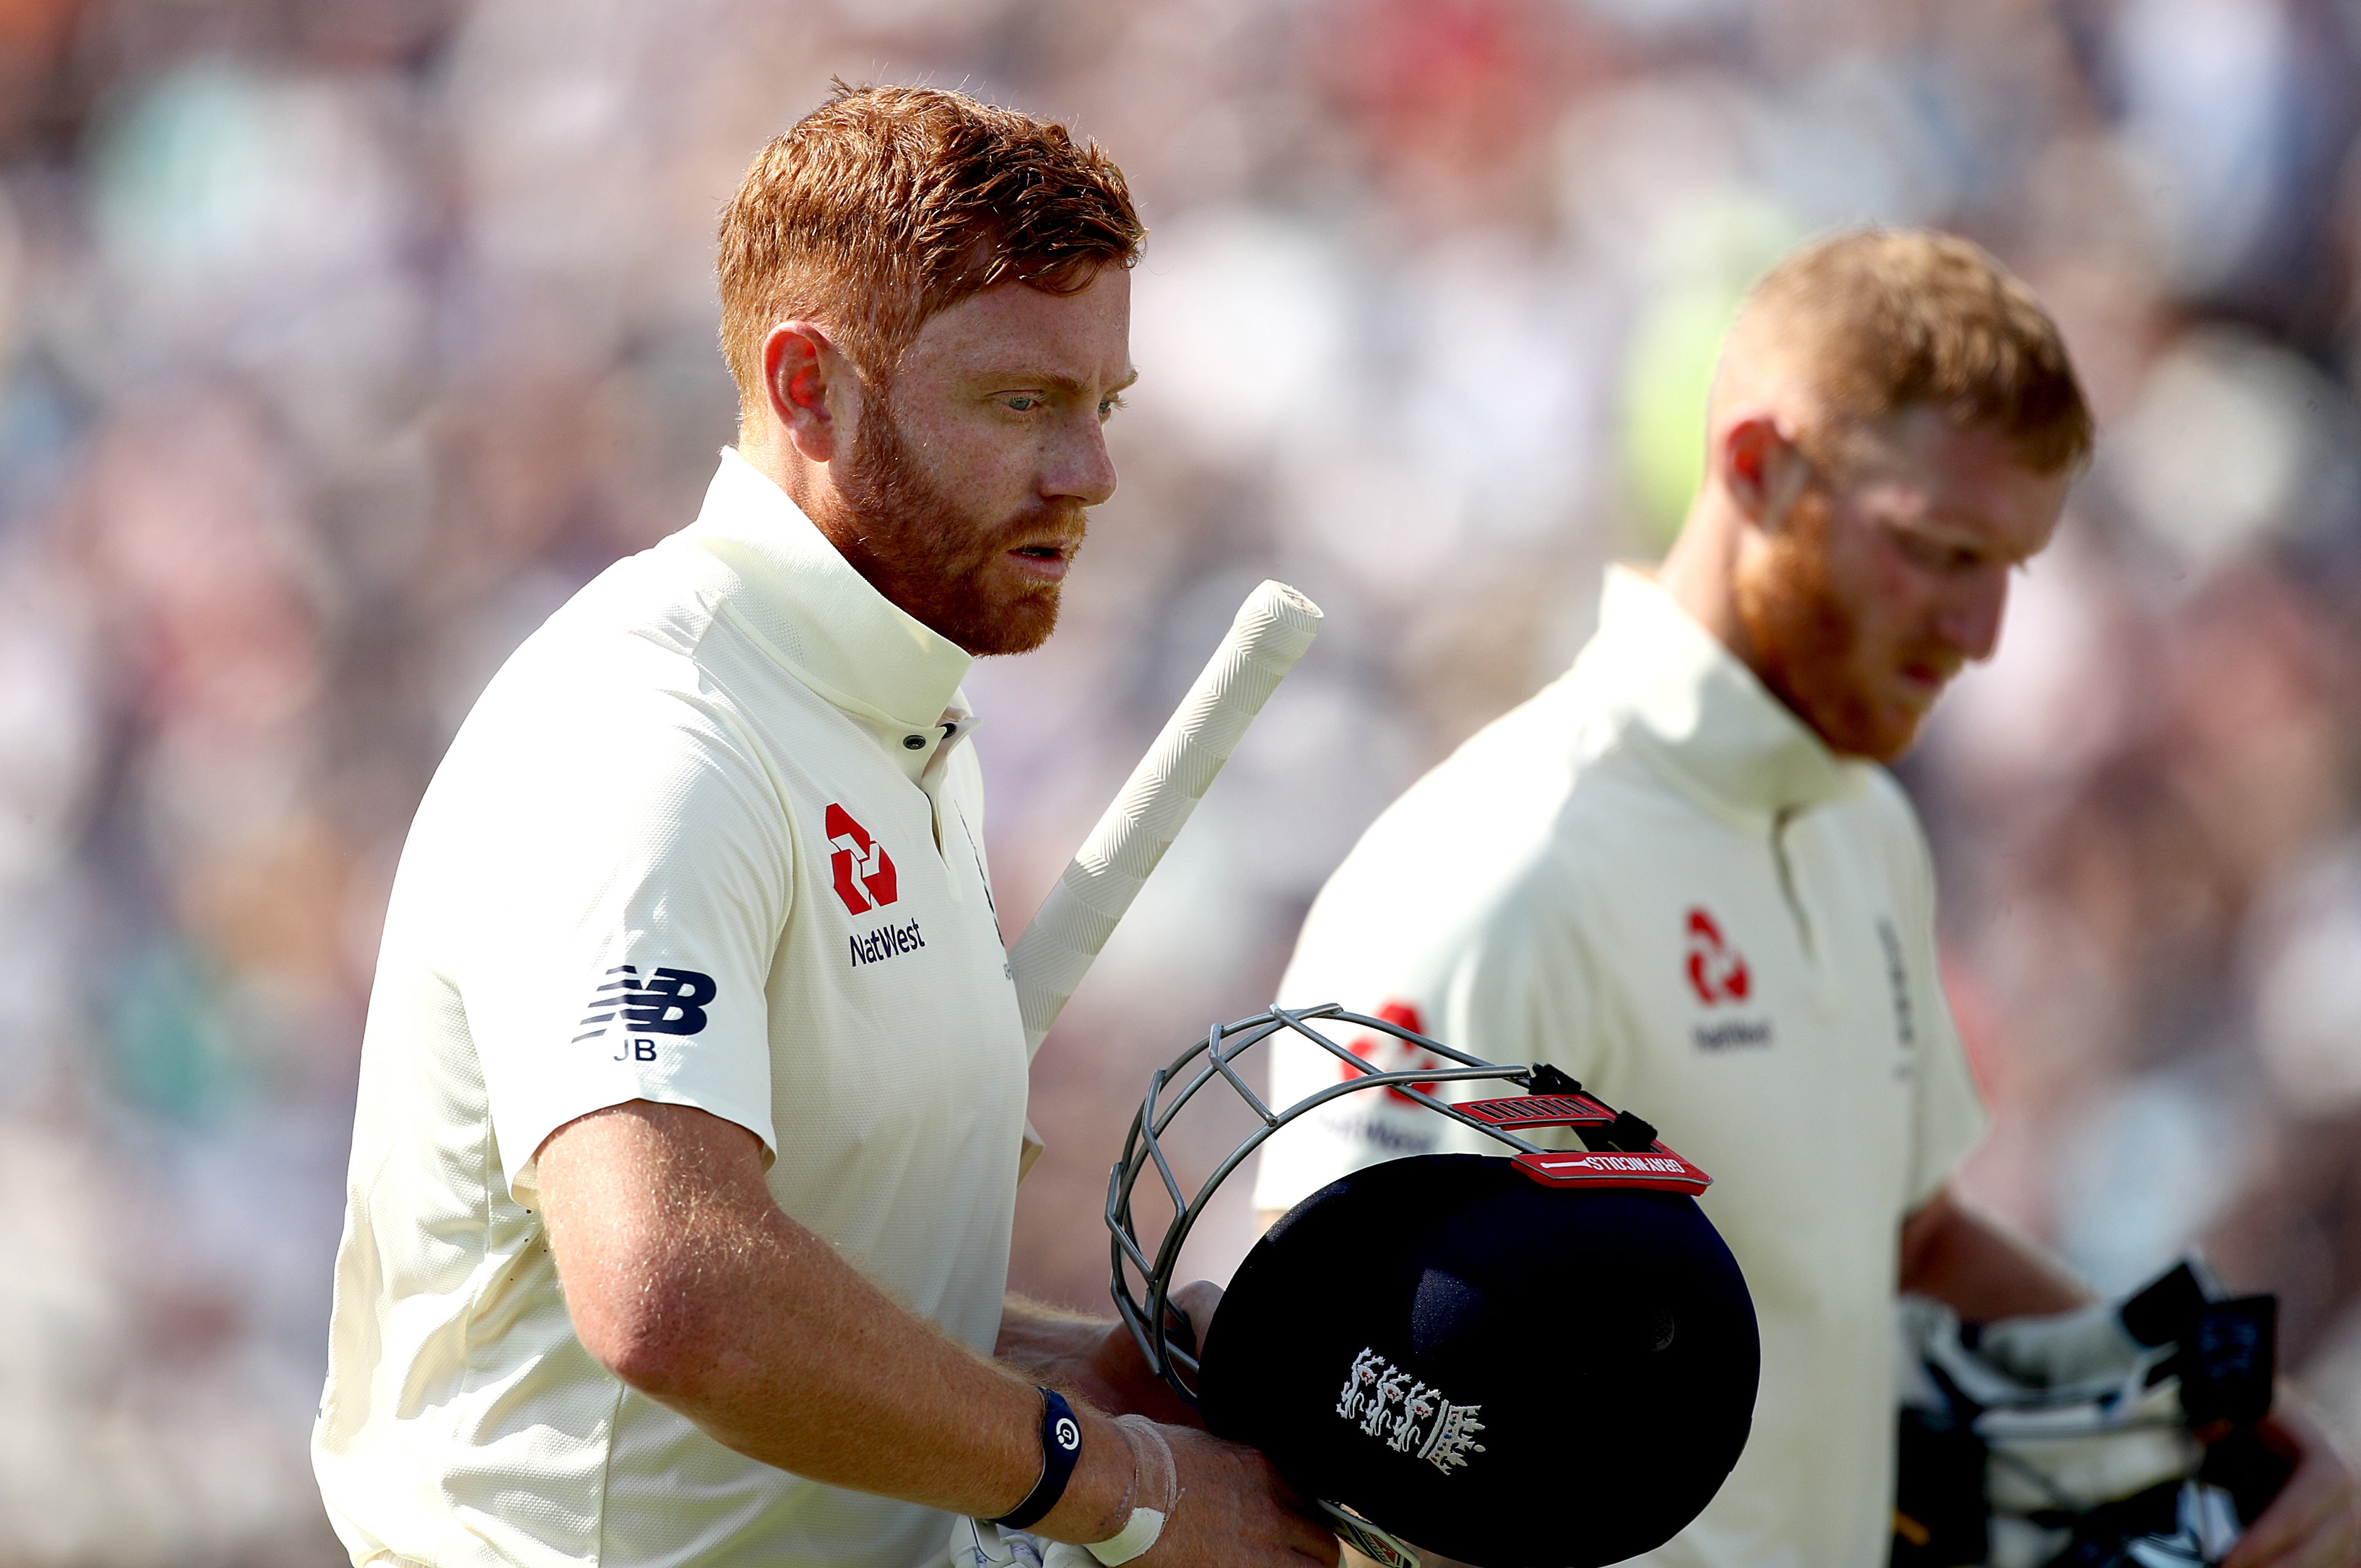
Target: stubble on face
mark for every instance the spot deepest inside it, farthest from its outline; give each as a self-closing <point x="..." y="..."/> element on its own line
<point x="1810" y="642"/>
<point x="941" y="563"/>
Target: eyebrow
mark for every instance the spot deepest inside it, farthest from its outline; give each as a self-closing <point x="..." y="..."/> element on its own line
<point x="1054" y="382"/>
<point x="1949" y="536"/>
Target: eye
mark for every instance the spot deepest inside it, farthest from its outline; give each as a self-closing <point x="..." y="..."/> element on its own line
<point x="1107" y="405"/>
<point x="1919" y="551"/>
<point x="1935" y="555"/>
<point x="1023" y="402"/>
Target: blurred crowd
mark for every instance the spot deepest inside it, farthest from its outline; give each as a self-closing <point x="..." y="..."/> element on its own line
<point x="340" y="340"/>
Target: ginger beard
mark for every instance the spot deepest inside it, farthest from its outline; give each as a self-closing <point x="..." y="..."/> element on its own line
<point x="933" y="557"/>
<point x="1834" y="650"/>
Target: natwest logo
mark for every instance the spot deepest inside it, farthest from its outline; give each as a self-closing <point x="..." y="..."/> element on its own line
<point x="1715" y="970"/>
<point x="863" y="871"/>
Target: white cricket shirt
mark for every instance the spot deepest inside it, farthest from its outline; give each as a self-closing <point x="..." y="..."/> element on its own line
<point x="713" y="837"/>
<point x="1654" y="876"/>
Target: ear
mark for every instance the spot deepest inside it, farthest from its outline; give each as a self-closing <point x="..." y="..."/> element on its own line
<point x="1761" y="468"/>
<point x="806" y="380"/>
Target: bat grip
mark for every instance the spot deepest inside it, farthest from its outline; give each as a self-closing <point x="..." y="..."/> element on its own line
<point x="1272" y="631"/>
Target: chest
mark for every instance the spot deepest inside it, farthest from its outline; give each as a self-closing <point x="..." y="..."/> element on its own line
<point x="892" y="1017"/>
<point x="1765" y="988"/>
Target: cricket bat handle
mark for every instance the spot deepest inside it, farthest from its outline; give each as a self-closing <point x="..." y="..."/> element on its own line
<point x="1272" y="629"/>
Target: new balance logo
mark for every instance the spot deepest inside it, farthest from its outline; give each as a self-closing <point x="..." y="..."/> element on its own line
<point x="668" y="1001"/>
<point x="863" y="871"/>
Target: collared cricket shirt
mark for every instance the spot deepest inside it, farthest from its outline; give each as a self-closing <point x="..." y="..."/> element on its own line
<point x="1655" y="877"/>
<point x="713" y="837"/>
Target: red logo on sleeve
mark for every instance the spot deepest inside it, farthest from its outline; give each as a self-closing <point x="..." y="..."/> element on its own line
<point x="1715" y="970"/>
<point x="863" y="872"/>
<point x="1388" y="1054"/>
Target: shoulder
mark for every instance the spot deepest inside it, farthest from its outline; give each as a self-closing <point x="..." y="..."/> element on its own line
<point x="1882" y="794"/>
<point x="635" y="625"/>
<point x="1880" y="829"/>
<point x="1469" y="858"/>
<point x="608" y="715"/>
<point x="645" y="648"/>
<point x="1884" y="813"/>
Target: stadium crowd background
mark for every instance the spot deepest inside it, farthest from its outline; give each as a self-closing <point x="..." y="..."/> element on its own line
<point x="340" y="340"/>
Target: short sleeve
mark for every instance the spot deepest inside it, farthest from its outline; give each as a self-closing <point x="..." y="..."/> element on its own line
<point x="622" y="900"/>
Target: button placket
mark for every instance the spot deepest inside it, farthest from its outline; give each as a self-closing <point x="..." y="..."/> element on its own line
<point x="955" y="726"/>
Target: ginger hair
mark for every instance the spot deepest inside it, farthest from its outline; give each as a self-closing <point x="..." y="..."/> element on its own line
<point x="1875" y="321"/>
<point x="888" y="204"/>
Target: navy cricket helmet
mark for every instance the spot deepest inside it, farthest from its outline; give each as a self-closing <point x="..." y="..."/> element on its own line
<point x="1532" y="1360"/>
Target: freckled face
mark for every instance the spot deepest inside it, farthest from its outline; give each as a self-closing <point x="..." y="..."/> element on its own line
<point x="1877" y="587"/>
<point x="965" y="493"/>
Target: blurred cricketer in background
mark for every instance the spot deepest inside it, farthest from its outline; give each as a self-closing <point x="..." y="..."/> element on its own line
<point x="693" y="1083"/>
<point x="1680" y="874"/>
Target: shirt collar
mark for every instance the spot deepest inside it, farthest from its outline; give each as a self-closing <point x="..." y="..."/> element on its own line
<point x="819" y="617"/>
<point x="1696" y="710"/>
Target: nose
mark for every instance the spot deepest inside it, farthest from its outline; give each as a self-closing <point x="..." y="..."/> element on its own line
<point x="1077" y="466"/>
<point x="1970" y="618"/>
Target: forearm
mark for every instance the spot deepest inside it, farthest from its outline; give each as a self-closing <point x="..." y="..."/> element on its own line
<point x="1097" y="1358"/>
<point x="1980" y="1268"/>
<point x="726" y="1310"/>
<point x="795" y="1359"/>
<point x="1035" y="1336"/>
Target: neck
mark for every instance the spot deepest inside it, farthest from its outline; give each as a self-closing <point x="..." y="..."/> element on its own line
<point x="808" y="483"/>
<point x="1700" y="572"/>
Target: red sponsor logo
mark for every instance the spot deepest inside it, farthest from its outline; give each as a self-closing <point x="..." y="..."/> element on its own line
<point x="1627" y="1164"/>
<point x="1715" y="970"/>
<point x="863" y="871"/>
<point x="1662" y="1171"/>
<point x="1386" y="1054"/>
